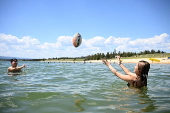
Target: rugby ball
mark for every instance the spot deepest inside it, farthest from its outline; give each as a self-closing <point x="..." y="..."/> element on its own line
<point x="77" y="39"/>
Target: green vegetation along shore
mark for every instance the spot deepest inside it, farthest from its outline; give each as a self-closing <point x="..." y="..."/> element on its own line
<point x="163" y="58"/>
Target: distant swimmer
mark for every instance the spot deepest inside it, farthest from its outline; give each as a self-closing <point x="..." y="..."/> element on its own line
<point x="137" y="79"/>
<point x="14" y="68"/>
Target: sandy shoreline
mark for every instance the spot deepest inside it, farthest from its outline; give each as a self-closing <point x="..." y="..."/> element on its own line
<point x="162" y="61"/>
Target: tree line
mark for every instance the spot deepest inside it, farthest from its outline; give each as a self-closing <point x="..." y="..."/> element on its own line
<point x="110" y="55"/>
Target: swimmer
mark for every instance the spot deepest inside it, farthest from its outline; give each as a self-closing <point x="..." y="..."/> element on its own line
<point x="14" y="68"/>
<point x="137" y="79"/>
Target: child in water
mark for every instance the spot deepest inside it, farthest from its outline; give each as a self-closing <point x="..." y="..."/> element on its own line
<point x="137" y="79"/>
<point x="14" y="68"/>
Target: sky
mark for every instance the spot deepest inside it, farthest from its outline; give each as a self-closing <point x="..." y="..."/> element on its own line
<point x="45" y="28"/>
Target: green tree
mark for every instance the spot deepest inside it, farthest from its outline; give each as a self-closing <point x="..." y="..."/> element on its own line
<point x="107" y="55"/>
<point x="98" y="56"/>
<point x="103" y="55"/>
<point x="119" y="53"/>
<point x="152" y="51"/>
<point x="114" y="54"/>
<point x="158" y="51"/>
<point x="111" y="55"/>
<point x="94" y="57"/>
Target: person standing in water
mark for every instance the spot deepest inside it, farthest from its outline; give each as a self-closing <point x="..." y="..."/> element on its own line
<point x="14" y="68"/>
<point x="137" y="79"/>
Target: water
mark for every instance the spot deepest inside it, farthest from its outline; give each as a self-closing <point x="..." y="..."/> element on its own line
<point x="78" y="87"/>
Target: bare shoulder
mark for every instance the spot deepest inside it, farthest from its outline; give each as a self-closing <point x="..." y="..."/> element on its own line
<point x="9" y="67"/>
<point x="133" y="75"/>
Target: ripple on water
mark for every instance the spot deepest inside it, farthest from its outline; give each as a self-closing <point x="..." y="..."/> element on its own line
<point x="78" y="87"/>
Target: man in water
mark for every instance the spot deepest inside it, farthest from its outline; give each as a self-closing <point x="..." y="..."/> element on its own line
<point x="14" y="68"/>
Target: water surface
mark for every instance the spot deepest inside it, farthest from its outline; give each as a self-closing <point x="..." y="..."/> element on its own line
<point x="76" y="87"/>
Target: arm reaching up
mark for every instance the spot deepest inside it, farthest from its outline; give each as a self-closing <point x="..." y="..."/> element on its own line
<point x="123" y="67"/>
<point x="118" y="74"/>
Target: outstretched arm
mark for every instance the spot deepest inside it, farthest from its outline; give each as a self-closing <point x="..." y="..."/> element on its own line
<point x="118" y="74"/>
<point x="123" y="67"/>
<point x="21" y="66"/>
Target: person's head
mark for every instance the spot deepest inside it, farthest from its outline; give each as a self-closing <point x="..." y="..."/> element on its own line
<point x="14" y="62"/>
<point x="142" y="68"/>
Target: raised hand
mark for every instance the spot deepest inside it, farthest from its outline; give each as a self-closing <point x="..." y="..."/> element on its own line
<point x="105" y="62"/>
<point x="118" y="59"/>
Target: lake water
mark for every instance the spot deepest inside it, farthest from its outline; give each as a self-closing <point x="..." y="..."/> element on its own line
<point x="77" y="87"/>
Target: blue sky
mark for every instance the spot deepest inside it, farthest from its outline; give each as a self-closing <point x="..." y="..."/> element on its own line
<point x="44" y="28"/>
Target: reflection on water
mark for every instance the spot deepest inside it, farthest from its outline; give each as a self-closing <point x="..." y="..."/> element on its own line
<point x="145" y="99"/>
<point x="135" y="98"/>
<point x="16" y="74"/>
<point x="78" y="87"/>
<point x="78" y="103"/>
<point x="13" y="74"/>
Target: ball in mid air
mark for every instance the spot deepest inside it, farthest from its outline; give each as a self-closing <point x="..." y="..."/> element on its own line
<point x="77" y="39"/>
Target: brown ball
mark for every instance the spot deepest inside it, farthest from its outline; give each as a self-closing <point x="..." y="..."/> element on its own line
<point x="77" y="39"/>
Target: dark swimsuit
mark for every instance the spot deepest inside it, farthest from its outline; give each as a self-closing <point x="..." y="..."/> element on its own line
<point x="128" y="85"/>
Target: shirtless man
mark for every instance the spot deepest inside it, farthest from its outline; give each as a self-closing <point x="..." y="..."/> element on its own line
<point x="14" y="68"/>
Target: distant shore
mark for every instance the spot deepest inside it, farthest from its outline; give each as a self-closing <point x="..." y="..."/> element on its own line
<point x="162" y="61"/>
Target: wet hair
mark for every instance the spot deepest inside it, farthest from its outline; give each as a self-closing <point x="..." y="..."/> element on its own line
<point x="143" y="68"/>
<point x="13" y="60"/>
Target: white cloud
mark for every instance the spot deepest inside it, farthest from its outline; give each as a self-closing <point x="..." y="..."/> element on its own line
<point x="163" y="38"/>
<point x="95" y="42"/>
<point x="161" y="42"/>
<point x="3" y="47"/>
<point x="65" y="40"/>
<point x="28" y="40"/>
<point x="31" y="47"/>
<point x="25" y="47"/>
<point x="112" y="40"/>
<point x="8" y="39"/>
<point x="48" y="46"/>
